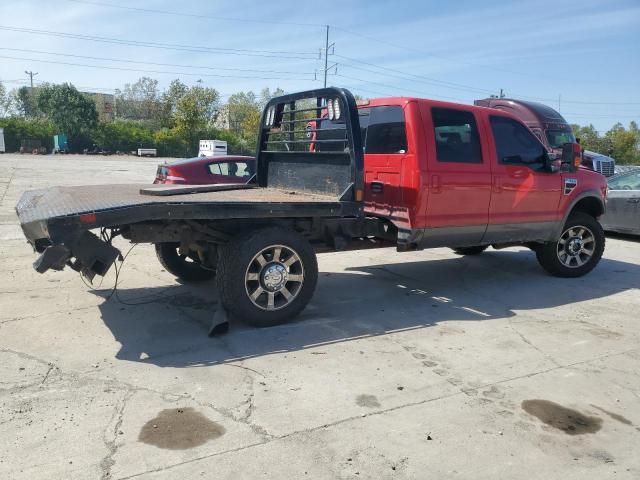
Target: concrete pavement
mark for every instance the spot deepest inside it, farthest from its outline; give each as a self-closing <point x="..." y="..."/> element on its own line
<point x="404" y="365"/>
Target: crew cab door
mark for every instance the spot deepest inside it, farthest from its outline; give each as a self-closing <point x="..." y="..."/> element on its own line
<point x="459" y="178"/>
<point x="385" y="146"/>
<point x="524" y="197"/>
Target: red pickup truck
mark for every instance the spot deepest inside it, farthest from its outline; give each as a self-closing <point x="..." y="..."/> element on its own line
<point x="404" y="172"/>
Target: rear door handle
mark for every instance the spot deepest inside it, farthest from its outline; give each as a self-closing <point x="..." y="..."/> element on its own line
<point x="435" y="183"/>
<point x="519" y="173"/>
<point x="377" y="187"/>
<point x="497" y="184"/>
<point x="633" y="200"/>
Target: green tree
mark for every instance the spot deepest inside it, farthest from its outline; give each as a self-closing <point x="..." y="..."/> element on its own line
<point x="141" y="101"/>
<point x="624" y="143"/>
<point x="5" y="101"/>
<point x="195" y="110"/>
<point x="72" y="112"/>
<point x="26" y="102"/>
<point x="266" y="94"/>
<point x="170" y="99"/>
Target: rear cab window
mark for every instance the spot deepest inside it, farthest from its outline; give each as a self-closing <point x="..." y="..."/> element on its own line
<point x="383" y="131"/>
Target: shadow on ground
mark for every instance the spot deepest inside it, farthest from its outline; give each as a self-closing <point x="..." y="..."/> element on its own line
<point x="169" y="327"/>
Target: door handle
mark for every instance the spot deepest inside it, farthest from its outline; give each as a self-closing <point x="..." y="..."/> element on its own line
<point x="497" y="184"/>
<point x="633" y="200"/>
<point x="435" y="183"/>
<point x="519" y="173"/>
<point x="377" y="187"/>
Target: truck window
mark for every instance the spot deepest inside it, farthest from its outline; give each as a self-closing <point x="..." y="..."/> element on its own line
<point x="385" y="130"/>
<point x="456" y="136"/>
<point x="515" y="144"/>
<point x="558" y="137"/>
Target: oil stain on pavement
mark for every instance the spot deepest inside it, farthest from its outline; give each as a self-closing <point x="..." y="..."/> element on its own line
<point x="569" y="421"/>
<point x="369" y="401"/>
<point x="179" y="429"/>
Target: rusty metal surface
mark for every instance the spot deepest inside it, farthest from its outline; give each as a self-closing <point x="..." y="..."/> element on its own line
<point x="36" y="205"/>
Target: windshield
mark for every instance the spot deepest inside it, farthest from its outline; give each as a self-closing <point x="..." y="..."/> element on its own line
<point x="559" y="137"/>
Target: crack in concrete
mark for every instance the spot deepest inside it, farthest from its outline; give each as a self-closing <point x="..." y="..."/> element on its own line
<point x="46" y="375"/>
<point x="532" y="345"/>
<point x="108" y="461"/>
<point x="6" y="189"/>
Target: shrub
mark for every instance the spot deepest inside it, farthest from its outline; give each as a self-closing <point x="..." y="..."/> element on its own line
<point x="18" y="130"/>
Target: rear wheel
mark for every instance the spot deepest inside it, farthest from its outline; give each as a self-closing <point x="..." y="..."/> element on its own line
<point x="577" y="251"/>
<point x="470" y="250"/>
<point x="267" y="277"/>
<point x="186" y="267"/>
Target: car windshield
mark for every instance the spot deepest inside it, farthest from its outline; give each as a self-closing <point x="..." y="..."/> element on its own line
<point x="558" y="137"/>
<point x="625" y="181"/>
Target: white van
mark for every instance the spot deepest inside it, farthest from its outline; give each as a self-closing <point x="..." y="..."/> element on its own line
<point x="212" y="148"/>
<point x="2" y="147"/>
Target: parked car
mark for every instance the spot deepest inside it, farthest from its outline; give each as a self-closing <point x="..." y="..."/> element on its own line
<point x="207" y="170"/>
<point x="623" y="203"/>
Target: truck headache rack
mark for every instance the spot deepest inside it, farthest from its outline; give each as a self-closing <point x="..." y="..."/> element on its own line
<point x="286" y="155"/>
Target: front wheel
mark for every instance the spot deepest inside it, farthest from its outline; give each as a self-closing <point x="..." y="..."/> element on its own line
<point x="577" y="251"/>
<point x="267" y="277"/>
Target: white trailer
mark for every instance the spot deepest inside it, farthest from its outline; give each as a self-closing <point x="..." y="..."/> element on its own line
<point x="147" y="152"/>
<point x="212" y="148"/>
<point x="2" y="147"/>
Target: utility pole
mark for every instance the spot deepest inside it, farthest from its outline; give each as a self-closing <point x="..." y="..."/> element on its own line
<point x="559" y="100"/>
<point x="31" y="75"/>
<point x="501" y="93"/>
<point x="326" y="57"/>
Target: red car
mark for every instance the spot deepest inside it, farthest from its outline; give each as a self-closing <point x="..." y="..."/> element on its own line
<point x="207" y="170"/>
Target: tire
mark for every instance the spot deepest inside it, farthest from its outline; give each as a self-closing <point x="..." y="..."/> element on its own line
<point x="577" y="251"/>
<point x="470" y="250"/>
<point x="186" y="268"/>
<point x="282" y="287"/>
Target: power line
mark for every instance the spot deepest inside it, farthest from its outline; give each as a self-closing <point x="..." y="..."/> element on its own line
<point x="423" y="79"/>
<point x="105" y="67"/>
<point x="449" y="59"/>
<point x="194" y="15"/>
<point x="168" y="46"/>
<point x="394" y="87"/>
<point x="153" y="63"/>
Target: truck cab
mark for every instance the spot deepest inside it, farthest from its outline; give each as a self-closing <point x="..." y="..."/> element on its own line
<point x="446" y="174"/>
<point x="551" y="129"/>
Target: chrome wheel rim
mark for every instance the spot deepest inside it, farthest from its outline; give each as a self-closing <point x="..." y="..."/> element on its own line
<point x="274" y="277"/>
<point x="576" y="246"/>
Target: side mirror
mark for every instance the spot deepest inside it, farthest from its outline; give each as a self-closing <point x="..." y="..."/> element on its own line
<point x="552" y="164"/>
<point x="571" y="157"/>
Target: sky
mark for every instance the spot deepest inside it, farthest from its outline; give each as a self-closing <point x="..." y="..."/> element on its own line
<point x="581" y="57"/>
